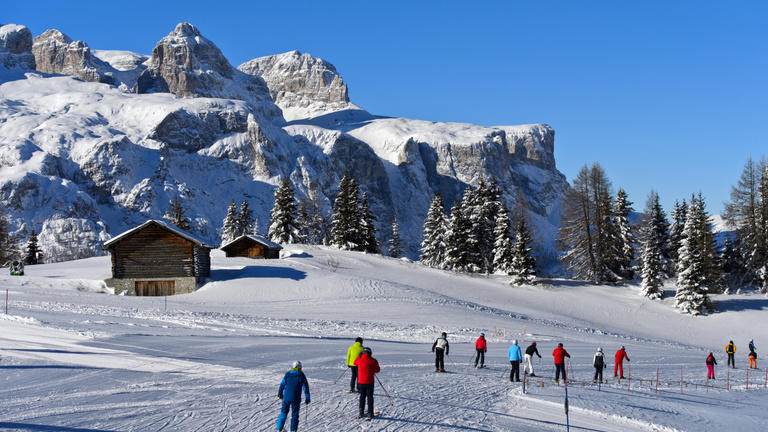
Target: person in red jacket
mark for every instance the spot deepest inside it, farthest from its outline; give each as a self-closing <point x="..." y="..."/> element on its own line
<point x="560" y="354"/>
<point x="481" y="347"/>
<point x="367" y="367"/>
<point x="621" y="354"/>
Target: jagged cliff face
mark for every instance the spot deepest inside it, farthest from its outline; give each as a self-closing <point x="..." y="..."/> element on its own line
<point x="303" y="86"/>
<point x="83" y="159"/>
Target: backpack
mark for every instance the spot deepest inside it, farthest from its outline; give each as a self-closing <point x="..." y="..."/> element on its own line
<point x="599" y="362"/>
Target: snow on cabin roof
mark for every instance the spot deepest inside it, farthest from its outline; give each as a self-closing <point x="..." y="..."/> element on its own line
<point x="168" y="227"/>
<point x="256" y="238"/>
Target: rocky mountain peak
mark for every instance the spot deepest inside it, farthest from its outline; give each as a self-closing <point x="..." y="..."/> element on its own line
<point x="302" y="85"/>
<point x="57" y="53"/>
<point x="15" y="46"/>
<point x="188" y="65"/>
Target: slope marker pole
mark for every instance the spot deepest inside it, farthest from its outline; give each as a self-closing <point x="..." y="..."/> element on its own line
<point x="657" y="380"/>
<point x="681" y="379"/>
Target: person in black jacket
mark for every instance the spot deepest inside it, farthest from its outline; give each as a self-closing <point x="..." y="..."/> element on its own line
<point x="440" y="348"/>
<point x="529" y="352"/>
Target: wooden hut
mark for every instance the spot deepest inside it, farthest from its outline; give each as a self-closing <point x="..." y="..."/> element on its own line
<point x="252" y="246"/>
<point x="157" y="259"/>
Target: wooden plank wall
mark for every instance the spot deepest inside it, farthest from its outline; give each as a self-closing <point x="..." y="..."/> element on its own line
<point x="202" y="262"/>
<point x="151" y="253"/>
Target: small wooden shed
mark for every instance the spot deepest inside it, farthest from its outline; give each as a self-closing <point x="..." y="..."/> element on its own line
<point x="157" y="259"/>
<point x="252" y="246"/>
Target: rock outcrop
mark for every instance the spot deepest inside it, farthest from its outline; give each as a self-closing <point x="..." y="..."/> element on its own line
<point x="57" y="53"/>
<point x="301" y="85"/>
<point x="15" y="47"/>
<point x="188" y="65"/>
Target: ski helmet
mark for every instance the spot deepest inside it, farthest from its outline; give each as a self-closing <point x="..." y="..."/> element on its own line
<point x="296" y="365"/>
<point x="367" y="350"/>
<point x="599" y="350"/>
<point x="482" y="334"/>
<point x="514" y="341"/>
<point x="622" y="347"/>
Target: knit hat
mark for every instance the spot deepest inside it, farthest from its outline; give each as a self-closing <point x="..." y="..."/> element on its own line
<point x="533" y="343"/>
<point x="359" y="339"/>
<point x="367" y="350"/>
<point x="560" y="344"/>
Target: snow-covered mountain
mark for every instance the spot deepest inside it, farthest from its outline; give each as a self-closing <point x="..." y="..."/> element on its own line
<point x="93" y="142"/>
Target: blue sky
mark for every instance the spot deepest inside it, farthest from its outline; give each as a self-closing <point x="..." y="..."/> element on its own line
<point x="666" y="95"/>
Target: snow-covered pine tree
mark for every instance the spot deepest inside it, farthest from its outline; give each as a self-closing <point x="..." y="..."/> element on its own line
<point x="346" y="230"/>
<point x="7" y="243"/>
<point x="229" y="225"/>
<point x="712" y="264"/>
<point x="245" y="222"/>
<point x="33" y="254"/>
<point x="282" y="218"/>
<point x="433" y="245"/>
<point x="523" y="261"/>
<point x="679" y="214"/>
<point x="733" y="264"/>
<point x="758" y="258"/>
<point x="626" y="236"/>
<point x="368" y="241"/>
<point x="177" y="214"/>
<point x="304" y="222"/>
<point x="457" y="251"/>
<point x="483" y="216"/>
<point x="692" y="295"/>
<point x="655" y="224"/>
<point x="470" y="208"/>
<point x="502" y="247"/>
<point x="395" y="244"/>
<point x="607" y="247"/>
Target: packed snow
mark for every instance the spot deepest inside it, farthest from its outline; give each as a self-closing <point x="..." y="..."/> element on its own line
<point x="74" y="357"/>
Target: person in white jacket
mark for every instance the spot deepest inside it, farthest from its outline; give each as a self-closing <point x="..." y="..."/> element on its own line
<point x="599" y="363"/>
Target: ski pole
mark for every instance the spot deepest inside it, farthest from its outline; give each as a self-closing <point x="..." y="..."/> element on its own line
<point x="342" y="374"/>
<point x="385" y="390"/>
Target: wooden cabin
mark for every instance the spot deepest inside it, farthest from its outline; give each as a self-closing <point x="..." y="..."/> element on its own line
<point x="157" y="259"/>
<point x="252" y="246"/>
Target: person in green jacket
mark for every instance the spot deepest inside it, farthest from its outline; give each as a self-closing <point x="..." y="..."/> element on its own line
<point x="352" y="354"/>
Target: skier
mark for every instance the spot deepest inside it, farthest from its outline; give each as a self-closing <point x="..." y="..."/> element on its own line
<point x="529" y="352"/>
<point x="730" y="349"/>
<point x="752" y="359"/>
<point x="290" y="393"/>
<point x="621" y="354"/>
<point x="353" y="353"/>
<point x="559" y="354"/>
<point x="752" y="345"/>
<point x="481" y="347"/>
<point x="599" y="363"/>
<point x="367" y="367"/>
<point x="514" y="357"/>
<point x="711" y="362"/>
<point x="440" y="348"/>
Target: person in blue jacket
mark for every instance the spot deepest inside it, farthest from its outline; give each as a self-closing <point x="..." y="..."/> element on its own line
<point x="290" y="393"/>
<point x="514" y="357"/>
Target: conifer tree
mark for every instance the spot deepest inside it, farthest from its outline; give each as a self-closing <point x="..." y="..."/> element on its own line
<point x="469" y="207"/>
<point x="229" y="225"/>
<point x="435" y="225"/>
<point x="346" y="232"/>
<point x="679" y="214"/>
<point x="758" y="257"/>
<point x="176" y="214"/>
<point x="304" y="222"/>
<point x="395" y="245"/>
<point x="734" y="266"/>
<point x="457" y="254"/>
<point x="246" y="223"/>
<point x="7" y="243"/>
<point x="607" y="246"/>
<point x="626" y="236"/>
<point x="282" y="219"/>
<point x="503" y="255"/>
<point x="33" y="254"/>
<point x="483" y="216"/>
<point x="368" y="242"/>
<point x="656" y="226"/>
<point x="523" y="262"/>
<point x="693" y="287"/>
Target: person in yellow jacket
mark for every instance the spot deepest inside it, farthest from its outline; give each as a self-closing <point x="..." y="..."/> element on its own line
<point x="730" y="349"/>
<point x="352" y="354"/>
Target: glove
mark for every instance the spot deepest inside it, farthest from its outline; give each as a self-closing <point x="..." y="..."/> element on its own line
<point x="280" y="397"/>
<point x="306" y="402"/>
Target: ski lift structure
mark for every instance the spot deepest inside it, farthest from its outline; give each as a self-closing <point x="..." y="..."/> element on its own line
<point x="17" y="268"/>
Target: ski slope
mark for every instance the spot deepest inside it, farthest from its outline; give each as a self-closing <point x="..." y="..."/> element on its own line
<point x="74" y="358"/>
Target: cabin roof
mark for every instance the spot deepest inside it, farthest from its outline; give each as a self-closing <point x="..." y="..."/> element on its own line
<point x="168" y="227"/>
<point x="256" y="238"/>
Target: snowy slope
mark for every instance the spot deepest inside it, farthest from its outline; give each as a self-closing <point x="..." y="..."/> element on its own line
<point x="75" y="358"/>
